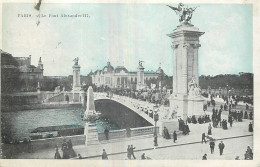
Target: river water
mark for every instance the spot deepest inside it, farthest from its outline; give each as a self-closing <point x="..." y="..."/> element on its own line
<point x="114" y="116"/>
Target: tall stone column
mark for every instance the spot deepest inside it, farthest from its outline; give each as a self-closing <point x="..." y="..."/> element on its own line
<point x="140" y="76"/>
<point x="196" y="63"/>
<point x="90" y="110"/>
<point x="185" y="68"/>
<point x="76" y="77"/>
<point x="185" y="60"/>
<point x="174" y="78"/>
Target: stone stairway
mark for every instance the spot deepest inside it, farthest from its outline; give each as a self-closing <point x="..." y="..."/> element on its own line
<point x="92" y="135"/>
<point x="55" y="98"/>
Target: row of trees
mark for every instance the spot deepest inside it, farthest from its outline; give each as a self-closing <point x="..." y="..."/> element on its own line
<point x="243" y="81"/>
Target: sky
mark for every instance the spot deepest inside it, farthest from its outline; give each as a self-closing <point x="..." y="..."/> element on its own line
<point x="125" y="34"/>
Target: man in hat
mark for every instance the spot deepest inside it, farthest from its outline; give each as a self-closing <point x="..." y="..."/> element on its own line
<point x="221" y="147"/>
<point x="132" y="151"/>
<point x="212" y="146"/>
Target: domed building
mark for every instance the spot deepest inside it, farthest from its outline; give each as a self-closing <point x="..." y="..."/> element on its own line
<point x="120" y="77"/>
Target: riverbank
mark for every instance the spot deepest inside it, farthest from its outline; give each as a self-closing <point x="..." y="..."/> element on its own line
<point x="5" y="108"/>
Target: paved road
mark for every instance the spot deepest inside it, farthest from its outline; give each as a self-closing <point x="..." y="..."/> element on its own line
<point x="233" y="147"/>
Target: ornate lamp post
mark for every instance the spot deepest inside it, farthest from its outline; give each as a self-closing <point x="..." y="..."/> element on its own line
<point x="227" y="94"/>
<point x="156" y="118"/>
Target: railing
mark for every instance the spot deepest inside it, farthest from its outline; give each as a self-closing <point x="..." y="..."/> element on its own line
<point x="116" y="134"/>
<point x="143" y="130"/>
<point x="144" y="107"/>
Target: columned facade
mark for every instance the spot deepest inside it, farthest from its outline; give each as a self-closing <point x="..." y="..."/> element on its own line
<point x="120" y="77"/>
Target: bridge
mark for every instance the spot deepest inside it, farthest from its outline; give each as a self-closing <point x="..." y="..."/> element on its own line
<point x="144" y="109"/>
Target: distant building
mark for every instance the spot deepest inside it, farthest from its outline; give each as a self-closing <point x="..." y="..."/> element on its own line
<point x="28" y="71"/>
<point x="17" y="71"/>
<point x="120" y="77"/>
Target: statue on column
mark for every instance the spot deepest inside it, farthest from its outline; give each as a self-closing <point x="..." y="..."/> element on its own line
<point x="76" y="60"/>
<point x="194" y="89"/>
<point x="141" y="63"/>
<point x="185" y="14"/>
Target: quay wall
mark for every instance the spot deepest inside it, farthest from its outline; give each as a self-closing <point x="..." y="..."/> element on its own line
<point x="5" y="108"/>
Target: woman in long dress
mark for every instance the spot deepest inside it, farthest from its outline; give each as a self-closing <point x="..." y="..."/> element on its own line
<point x="209" y="130"/>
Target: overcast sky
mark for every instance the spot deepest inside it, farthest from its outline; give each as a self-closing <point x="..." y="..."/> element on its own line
<point x="126" y="33"/>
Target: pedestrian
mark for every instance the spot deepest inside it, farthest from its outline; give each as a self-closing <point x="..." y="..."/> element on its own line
<point x="251" y="115"/>
<point x="128" y="152"/>
<point x="71" y="152"/>
<point x="174" y="136"/>
<point x="104" y="154"/>
<point x="221" y="147"/>
<point x="65" y="154"/>
<point x="143" y="156"/>
<point x="209" y="129"/>
<point x="237" y="158"/>
<point x="245" y="115"/>
<point x="187" y="129"/>
<point x="250" y="129"/>
<point x="166" y="134"/>
<point x="204" y="157"/>
<point x="230" y="120"/>
<point x="57" y="154"/>
<point x="79" y="156"/>
<point x="212" y="146"/>
<point x="64" y="144"/>
<point x="132" y="151"/>
<point x="106" y="133"/>
<point x="203" y="138"/>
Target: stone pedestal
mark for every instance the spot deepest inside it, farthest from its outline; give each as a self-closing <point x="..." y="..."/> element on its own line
<point x="171" y="125"/>
<point x="186" y="106"/>
<point x="90" y="108"/>
<point x="195" y="106"/>
<point x="86" y="133"/>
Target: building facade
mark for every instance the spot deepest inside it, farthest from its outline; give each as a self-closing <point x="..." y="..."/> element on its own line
<point x="120" y="77"/>
<point x="17" y="73"/>
<point x="28" y="71"/>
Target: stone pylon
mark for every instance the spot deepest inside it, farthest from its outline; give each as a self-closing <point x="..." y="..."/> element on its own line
<point x="76" y="77"/>
<point x="90" y="109"/>
<point x="140" y="76"/>
<point x="90" y="102"/>
<point x="186" y="98"/>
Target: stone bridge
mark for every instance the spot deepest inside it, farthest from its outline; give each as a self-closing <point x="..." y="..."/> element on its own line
<point x="144" y="109"/>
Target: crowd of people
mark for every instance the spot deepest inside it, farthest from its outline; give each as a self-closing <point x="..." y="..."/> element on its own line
<point x="216" y="117"/>
<point x="200" y="120"/>
<point x="67" y="150"/>
<point x="184" y="127"/>
<point x="249" y="154"/>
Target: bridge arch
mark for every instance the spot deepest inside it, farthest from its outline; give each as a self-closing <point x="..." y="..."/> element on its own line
<point x="120" y="114"/>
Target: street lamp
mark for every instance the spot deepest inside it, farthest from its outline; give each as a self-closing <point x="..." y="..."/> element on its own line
<point x="227" y="94"/>
<point x="156" y="118"/>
